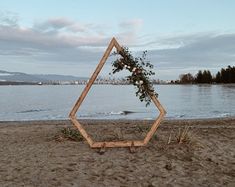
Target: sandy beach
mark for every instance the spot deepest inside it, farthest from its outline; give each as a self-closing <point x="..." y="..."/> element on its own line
<point x="36" y="154"/>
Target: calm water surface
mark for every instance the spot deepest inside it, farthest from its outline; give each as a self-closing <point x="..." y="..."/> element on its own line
<point x="110" y="102"/>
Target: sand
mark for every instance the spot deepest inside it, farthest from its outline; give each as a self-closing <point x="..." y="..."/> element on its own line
<point x="31" y="155"/>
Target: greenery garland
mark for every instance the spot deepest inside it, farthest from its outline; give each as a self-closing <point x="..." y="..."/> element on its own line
<point x="140" y="69"/>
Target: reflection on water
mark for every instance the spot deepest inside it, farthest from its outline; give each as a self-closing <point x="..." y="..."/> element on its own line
<point x="115" y="102"/>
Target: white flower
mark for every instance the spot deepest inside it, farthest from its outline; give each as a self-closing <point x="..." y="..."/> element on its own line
<point x="125" y="66"/>
<point x="136" y="82"/>
<point x="141" y="82"/>
<point x="128" y="67"/>
<point x="133" y="70"/>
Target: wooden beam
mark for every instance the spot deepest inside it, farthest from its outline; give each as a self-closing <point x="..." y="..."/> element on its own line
<point x="157" y="121"/>
<point x="118" y="144"/>
<point x="130" y="143"/>
<point x="92" y="79"/>
<point x="82" y="131"/>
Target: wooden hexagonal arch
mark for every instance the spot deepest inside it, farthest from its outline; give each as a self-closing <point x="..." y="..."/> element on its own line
<point x="128" y="143"/>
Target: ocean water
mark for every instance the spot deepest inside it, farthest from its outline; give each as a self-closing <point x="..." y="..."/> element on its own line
<point x="115" y="102"/>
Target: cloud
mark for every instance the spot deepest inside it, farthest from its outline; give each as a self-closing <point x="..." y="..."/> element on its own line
<point x="55" y="24"/>
<point x="8" y="18"/>
<point x="50" y="40"/>
<point x="202" y="50"/>
<point x="61" y="23"/>
<point x="32" y="44"/>
<point x="131" y="24"/>
<point x="190" y="53"/>
<point x="65" y="41"/>
<point x="59" y="39"/>
<point x="129" y="31"/>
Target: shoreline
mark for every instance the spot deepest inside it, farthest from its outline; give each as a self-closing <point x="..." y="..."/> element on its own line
<point x="166" y="120"/>
<point x="2" y="83"/>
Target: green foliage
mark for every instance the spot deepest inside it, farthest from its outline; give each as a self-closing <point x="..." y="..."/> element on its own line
<point x="71" y="134"/>
<point x="186" y="78"/>
<point x="218" y="78"/>
<point x="226" y="75"/>
<point x="203" y="77"/>
<point x="199" y="77"/>
<point x="140" y="69"/>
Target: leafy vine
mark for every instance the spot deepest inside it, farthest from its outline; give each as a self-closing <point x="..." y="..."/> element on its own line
<point x="140" y="69"/>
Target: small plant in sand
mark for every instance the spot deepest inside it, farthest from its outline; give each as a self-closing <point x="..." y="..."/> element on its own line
<point x="184" y="135"/>
<point x="69" y="134"/>
<point x="142" y="129"/>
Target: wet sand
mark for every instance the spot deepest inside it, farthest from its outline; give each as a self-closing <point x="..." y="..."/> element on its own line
<point x="32" y="155"/>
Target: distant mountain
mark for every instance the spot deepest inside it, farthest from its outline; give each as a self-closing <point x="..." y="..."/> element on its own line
<point x="54" y="77"/>
<point x="24" y="77"/>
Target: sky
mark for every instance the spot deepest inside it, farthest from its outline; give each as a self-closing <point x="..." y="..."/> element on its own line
<point x="69" y="37"/>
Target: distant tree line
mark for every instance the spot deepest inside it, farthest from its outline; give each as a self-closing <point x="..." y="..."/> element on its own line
<point x="225" y="75"/>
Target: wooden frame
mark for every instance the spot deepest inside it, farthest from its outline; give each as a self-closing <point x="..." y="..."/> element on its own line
<point x="130" y="143"/>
